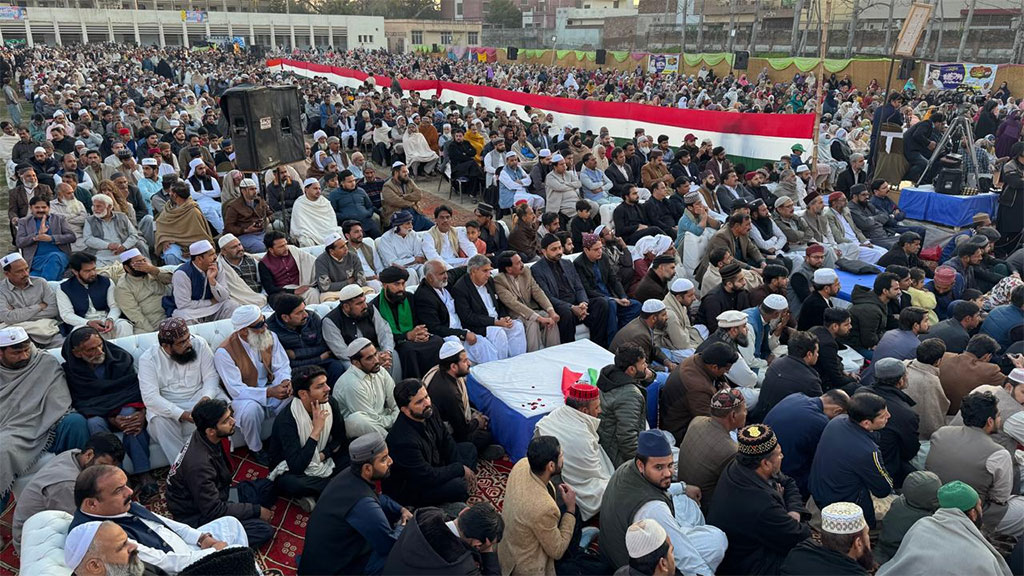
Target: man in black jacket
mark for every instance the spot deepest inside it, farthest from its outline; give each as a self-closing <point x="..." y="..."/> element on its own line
<point x="630" y="222"/>
<point x="898" y="441"/>
<point x="904" y="253"/>
<point x="430" y="467"/>
<point x="199" y="483"/>
<point x="429" y="545"/>
<point x="562" y="285"/>
<point x="854" y="174"/>
<point x="309" y="444"/>
<point x="446" y="384"/>
<point x="919" y="143"/>
<point x="601" y="280"/>
<point x="794" y="372"/>
<point x="845" y="546"/>
<point x="835" y="324"/>
<point x="824" y="286"/>
<point x="479" y="309"/>
<point x="620" y="173"/>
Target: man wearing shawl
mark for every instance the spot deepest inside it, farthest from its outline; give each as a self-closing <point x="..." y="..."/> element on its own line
<point x="107" y="233"/>
<point x="445" y="242"/>
<point x="255" y="370"/>
<point x="179" y="224"/>
<point x="197" y="294"/>
<point x="37" y="414"/>
<point x="416" y="347"/>
<point x="240" y="271"/>
<point x="401" y="247"/>
<point x="206" y="191"/>
<point x="28" y="302"/>
<point x="105" y="389"/>
<point x="313" y="217"/>
<point x="285" y="268"/>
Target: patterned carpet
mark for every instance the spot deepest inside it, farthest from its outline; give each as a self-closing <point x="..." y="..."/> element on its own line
<point x="289" y="520"/>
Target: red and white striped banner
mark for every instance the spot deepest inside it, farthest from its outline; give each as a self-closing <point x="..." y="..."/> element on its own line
<point x="758" y="136"/>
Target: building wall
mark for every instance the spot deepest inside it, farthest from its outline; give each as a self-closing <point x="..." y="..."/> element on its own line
<point x="402" y="35"/>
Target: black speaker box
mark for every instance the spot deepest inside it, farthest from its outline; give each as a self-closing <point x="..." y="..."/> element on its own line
<point x="512" y="52"/>
<point x="907" y="66"/>
<point x="949" y="181"/>
<point x="601" y="56"/>
<point x="740" y="60"/>
<point x="265" y="125"/>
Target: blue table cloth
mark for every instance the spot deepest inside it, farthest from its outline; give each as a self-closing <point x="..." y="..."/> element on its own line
<point x="847" y="281"/>
<point x="929" y="206"/>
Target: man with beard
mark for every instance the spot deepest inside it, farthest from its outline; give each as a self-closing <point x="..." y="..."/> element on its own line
<point x="313" y="217"/>
<point x="101" y="493"/>
<point x="350" y="532"/>
<point x="801" y="283"/>
<point x="255" y="371"/>
<point x="642" y="489"/>
<point x="89" y="299"/>
<point x="108" y="233"/>
<point x="197" y="295"/>
<point x="173" y="377"/>
<point x="731" y="294"/>
<point x="365" y="393"/>
<point x="446" y="385"/>
<point x="364" y="251"/>
<point x="868" y="219"/>
<point x="199" y="483"/>
<point x="765" y="233"/>
<point x="950" y="540"/>
<point x="820" y="231"/>
<point x="103" y="549"/>
<point x="401" y="193"/>
<point x="844" y="229"/>
<point x="641" y="331"/>
<point x="561" y="283"/>
<point x="240" y="272"/>
<point x="400" y="247"/>
<point x="203" y="187"/>
<point x="139" y="292"/>
<point x="436" y="309"/>
<point x="248" y="216"/>
<point x="417" y="348"/>
<point x="824" y="284"/>
<point x="629" y="220"/>
<point x="28" y="302"/>
<point x="845" y="546"/>
<point x="791" y="373"/>
<point x="18" y="197"/>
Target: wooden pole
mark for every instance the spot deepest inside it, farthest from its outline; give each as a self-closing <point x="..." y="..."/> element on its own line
<point x="826" y="20"/>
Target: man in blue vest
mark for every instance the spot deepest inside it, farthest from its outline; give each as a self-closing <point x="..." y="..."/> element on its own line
<point x="87" y="299"/>
<point x="199" y="291"/>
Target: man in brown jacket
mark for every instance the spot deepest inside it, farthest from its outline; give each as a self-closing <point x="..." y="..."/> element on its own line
<point x="526" y="301"/>
<point x="923" y="385"/>
<point x="247" y="217"/>
<point x="401" y="193"/>
<point x="655" y="171"/>
<point x="708" y="447"/>
<point x="961" y="373"/>
<point x="688" y="391"/>
<point x="736" y="230"/>
<point x="18" y="197"/>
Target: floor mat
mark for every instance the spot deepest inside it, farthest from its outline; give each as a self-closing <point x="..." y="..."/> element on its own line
<point x="289" y="520"/>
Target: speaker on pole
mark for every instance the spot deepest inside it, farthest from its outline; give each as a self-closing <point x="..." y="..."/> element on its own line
<point x="512" y="52"/>
<point x="601" y="56"/>
<point x="740" y="59"/>
<point x="265" y="125"/>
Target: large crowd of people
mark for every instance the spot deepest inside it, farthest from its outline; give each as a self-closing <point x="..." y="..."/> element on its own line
<point x="749" y="421"/>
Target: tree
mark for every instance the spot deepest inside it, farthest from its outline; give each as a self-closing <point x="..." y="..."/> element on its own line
<point x="505" y="14"/>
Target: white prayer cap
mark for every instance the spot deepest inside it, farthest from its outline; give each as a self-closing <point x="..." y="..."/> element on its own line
<point x="644" y="537"/>
<point x="199" y="247"/>
<point x="195" y="162"/>
<point x="308" y="182"/>
<point x="77" y="543"/>
<point x="149" y="161"/>
<point x="58" y="113"/>
<point x="79" y="143"/>
<point x="248" y="183"/>
<point x="1017" y="375"/>
<point x="510" y="154"/>
<point x="331" y="238"/>
<point x="450" y="348"/>
<point x="39" y="149"/>
<point x="355" y="346"/>
<point x="349" y="292"/>
<point x="599" y="229"/>
<point x="556" y="158"/>
<point x="544" y="153"/>
<point x="103" y="198"/>
<point x="825" y="276"/>
<point x="319" y="134"/>
<point x="653" y="306"/>
<point x="245" y="316"/>
<point x="12" y="335"/>
<point x="226" y="239"/>
<point x="776" y="302"/>
<point x="129" y="254"/>
<point x="397" y="164"/>
<point x="174" y="123"/>
<point x="782" y="201"/>
<point x="802" y="168"/>
<point x="82" y="112"/>
<point x="680" y="285"/>
<point x="842" y="518"/>
<point x="10" y="259"/>
<point x="731" y="319"/>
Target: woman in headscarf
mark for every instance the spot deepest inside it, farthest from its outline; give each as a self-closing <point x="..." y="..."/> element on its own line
<point x="121" y="203"/>
<point x="445" y="137"/>
<point x="838" y="147"/>
<point x="229" y="191"/>
<point x="1008" y="133"/>
<point x="987" y="122"/>
<point x="319" y="165"/>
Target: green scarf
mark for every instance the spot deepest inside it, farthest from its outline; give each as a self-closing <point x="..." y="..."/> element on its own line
<point x="405" y="323"/>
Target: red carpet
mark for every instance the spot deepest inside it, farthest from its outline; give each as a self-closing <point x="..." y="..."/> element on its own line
<point x="289" y="520"/>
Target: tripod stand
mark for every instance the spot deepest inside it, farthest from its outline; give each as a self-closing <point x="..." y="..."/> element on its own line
<point x="957" y="131"/>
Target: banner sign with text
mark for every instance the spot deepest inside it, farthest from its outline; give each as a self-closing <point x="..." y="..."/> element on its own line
<point x="951" y="76"/>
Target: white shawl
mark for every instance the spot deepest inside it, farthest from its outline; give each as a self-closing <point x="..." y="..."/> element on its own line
<point x="312" y="221"/>
<point x="417" y="149"/>
<point x="240" y="291"/>
<point x="587" y="467"/>
<point x="304" y="423"/>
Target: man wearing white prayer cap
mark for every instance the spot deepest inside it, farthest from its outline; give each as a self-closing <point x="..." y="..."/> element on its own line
<point x="107" y="232"/>
<point x="563" y="187"/>
<point x="313" y="217"/>
<point x="140" y="291"/>
<point x="650" y="549"/>
<point x="514" y="184"/>
<point x="824" y="286"/>
<point x="28" y="302"/>
<point x="240" y="272"/>
<point x="337" y="267"/>
<point x="402" y="193"/>
<point x="248" y="216"/>
<point x="365" y="392"/>
<point x="679" y="338"/>
<point x="256" y="372"/>
<point x="162" y="543"/>
<point x="101" y="548"/>
<point x="198" y="292"/>
<point x="206" y="192"/>
<point x="88" y="298"/>
<point x="446" y="386"/>
<point x="763" y="333"/>
<point x="734" y="334"/>
<point x="641" y="331"/>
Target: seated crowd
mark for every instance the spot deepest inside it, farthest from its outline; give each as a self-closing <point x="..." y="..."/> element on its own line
<point x="745" y="406"/>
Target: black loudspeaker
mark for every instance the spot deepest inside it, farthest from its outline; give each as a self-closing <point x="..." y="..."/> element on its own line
<point x="740" y="60"/>
<point x="949" y="181"/>
<point x="264" y="124"/>
<point x="601" y="56"/>
<point x="512" y="52"/>
<point x="907" y="66"/>
<point x="435" y="49"/>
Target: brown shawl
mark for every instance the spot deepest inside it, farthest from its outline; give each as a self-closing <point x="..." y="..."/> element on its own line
<point x="181" y="225"/>
<point x="250" y="376"/>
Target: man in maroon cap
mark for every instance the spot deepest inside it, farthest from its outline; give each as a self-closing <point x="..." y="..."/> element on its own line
<point x="586" y="466"/>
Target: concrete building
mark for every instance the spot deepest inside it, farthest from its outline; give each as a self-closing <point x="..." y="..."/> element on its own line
<point x="583" y="28"/>
<point x="402" y="35"/>
<point x="167" y="28"/>
<point x="536" y="13"/>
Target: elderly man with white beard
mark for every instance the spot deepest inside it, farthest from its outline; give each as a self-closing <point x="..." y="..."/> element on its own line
<point x="240" y="272"/>
<point x="313" y="217"/>
<point x="174" y="377"/>
<point x="108" y="233"/>
<point x="255" y="370"/>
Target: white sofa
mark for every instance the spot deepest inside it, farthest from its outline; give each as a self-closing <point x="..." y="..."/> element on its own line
<point x="42" y="544"/>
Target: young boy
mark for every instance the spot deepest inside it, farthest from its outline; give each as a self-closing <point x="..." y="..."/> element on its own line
<point x="581" y="223"/>
<point x="921" y="297"/>
<point x="473" y="234"/>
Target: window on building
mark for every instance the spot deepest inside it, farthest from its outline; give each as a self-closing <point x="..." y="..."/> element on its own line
<point x="615" y="4"/>
<point x="474" y="38"/>
<point x="458" y="9"/>
<point x="417" y="36"/>
<point x="365" y="38"/>
<point x="446" y="38"/>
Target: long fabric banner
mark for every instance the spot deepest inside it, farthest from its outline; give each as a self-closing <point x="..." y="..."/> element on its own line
<point x="950" y="76"/>
<point x="755" y="136"/>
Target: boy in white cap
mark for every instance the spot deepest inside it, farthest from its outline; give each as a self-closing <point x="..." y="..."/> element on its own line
<point x="679" y="338"/>
<point x="139" y="292"/>
<point x="28" y="302"/>
<point x="197" y="293"/>
<point x="650" y="551"/>
<point x="313" y="216"/>
<point x="248" y="216"/>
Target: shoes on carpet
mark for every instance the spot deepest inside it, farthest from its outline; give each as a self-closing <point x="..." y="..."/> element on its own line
<point x="261" y="457"/>
<point x="492" y="452"/>
<point x="307" y="503"/>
